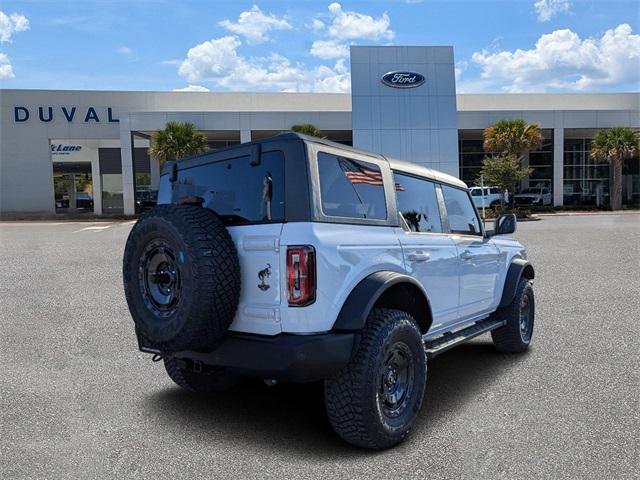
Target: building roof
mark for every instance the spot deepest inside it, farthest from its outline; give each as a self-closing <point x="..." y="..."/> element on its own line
<point x="547" y="101"/>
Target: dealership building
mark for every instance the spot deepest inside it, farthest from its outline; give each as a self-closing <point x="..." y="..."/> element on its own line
<point x="70" y="151"/>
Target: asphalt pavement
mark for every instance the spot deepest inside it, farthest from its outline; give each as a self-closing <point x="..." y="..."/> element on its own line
<point x="77" y="400"/>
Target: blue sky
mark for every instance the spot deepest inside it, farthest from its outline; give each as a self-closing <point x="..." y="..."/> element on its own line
<point x="500" y="46"/>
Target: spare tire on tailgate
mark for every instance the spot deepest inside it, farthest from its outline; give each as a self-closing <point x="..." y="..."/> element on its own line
<point x="181" y="277"/>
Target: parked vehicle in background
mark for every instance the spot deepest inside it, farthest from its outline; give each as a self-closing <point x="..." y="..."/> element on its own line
<point x="296" y="259"/>
<point x="537" y="196"/>
<point x="84" y="200"/>
<point x="490" y="198"/>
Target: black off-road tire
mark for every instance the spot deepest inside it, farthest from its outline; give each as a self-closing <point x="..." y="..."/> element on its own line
<point x="355" y="397"/>
<point x="211" y="379"/>
<point x="205" y="277"/>
<point x="512" y="337"/>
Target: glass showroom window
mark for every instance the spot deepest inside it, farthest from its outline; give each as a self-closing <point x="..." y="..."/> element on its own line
<point x="586" y="181"/>
<point x="542" y="163"/>
<point x="471" y="156"/>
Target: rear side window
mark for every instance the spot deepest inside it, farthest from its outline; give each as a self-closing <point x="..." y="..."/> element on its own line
<point x="240" y="193"/>
<point x="351" y="188"/>
<point x="418" y="204"/>
<point x="460" y="212"/>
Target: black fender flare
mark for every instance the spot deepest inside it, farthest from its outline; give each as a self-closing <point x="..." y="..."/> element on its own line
<point x="361" y="300"/>
<point x="519" y="267"/>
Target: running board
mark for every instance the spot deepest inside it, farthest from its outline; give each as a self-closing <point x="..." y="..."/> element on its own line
<point x="450" y="340"/>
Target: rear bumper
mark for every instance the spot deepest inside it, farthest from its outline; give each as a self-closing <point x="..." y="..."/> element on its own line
<point x="284" y="357"/>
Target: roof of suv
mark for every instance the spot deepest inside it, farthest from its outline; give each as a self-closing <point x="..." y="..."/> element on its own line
<point x="395" y="164"/>
<point x="399" y="165"/>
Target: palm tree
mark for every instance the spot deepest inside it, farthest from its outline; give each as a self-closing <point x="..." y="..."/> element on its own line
<point x="511" y="141"/>
<point x="307" y="129"/>
<point x="513" y="138"/>
<point x="176" y="141"/>
<point x="614" y="146"/>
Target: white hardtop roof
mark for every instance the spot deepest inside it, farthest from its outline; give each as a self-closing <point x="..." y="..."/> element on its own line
<point x="420" y="171"/>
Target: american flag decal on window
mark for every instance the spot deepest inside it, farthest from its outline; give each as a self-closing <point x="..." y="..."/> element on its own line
<point x="359" y="175"/>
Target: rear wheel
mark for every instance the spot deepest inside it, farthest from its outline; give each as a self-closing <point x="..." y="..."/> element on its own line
<point x="516" y="335"/>
<point x="374" y="401"/>
<point x="211" y="379"/>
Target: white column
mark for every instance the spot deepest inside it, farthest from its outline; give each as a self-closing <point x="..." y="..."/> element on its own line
<point x="126" y="157"/>
<point x="96" y="184"/>
<point x="558" y="166"/>
<point x="245" y="136"/>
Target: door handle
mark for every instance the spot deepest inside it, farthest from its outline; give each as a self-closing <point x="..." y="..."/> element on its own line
<point x="466" y="255"/>
<point x="418" y="257"/>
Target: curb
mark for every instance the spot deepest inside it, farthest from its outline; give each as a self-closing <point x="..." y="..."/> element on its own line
<point x="569" y="214"/>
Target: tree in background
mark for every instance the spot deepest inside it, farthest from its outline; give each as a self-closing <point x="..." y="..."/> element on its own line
<point x="504" y="172"/>
<point x="307" y="129"/>
<point x="513" y="138"/>
<point x="615" y="145"/>
<point x="176" y="141"/>
<point x="509" y="141"/>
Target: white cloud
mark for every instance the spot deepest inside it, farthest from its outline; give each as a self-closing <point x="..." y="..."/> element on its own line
<point x="210" y="59"/>
<point x="10" y="24"/>
<point x="328" y="49"/>
<point x="218" y="61"/>
<point x="346" y="25"/>
<point x="6" y="69"/>
<point x="125" y="51"/>
<point x="561" y="60"/>
<point x="254" y="25"/>
<point x="317" y="25"/>
<point x="192" y="88"/>
<point x="546" y="9"/>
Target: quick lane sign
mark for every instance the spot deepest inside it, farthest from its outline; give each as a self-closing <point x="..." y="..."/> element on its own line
<point x="402" y="79"/>
<point x="47" y="114"/>
<point x="61" y="149"/>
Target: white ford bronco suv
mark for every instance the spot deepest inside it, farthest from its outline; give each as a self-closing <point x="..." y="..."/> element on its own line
<point x="297" y="259"/>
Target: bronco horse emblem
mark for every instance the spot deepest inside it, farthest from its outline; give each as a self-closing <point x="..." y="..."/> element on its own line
<point x="263" y="275"/>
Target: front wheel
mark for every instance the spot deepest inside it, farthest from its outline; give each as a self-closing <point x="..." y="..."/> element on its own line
<point x="515" y="336"/>
<point x="374" y="401"/>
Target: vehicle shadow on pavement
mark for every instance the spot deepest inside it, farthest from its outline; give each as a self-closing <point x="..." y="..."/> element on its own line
<point x="291" y="418"/>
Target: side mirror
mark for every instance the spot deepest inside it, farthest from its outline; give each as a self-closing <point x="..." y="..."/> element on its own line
<point x="504" y="224"/>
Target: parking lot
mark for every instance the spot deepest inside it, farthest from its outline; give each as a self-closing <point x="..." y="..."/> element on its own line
<point x="79" y="401"/>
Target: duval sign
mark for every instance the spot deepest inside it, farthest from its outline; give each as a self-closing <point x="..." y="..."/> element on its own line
<point x="66" y="113"/>
<point x="401" y="79"/>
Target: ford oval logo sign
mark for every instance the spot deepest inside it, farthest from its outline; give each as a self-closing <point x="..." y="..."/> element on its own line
<point x="402" y="79"/>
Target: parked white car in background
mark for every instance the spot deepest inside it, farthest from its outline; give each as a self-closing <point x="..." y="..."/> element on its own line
<point x="538" y="195"/>
<point x="491" y="197"/>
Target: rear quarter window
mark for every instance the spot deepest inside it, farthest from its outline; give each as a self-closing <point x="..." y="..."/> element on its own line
<point x="351" y="188"/>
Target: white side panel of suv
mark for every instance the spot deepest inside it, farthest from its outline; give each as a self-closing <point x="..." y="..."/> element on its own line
<point x="345" y="255"/>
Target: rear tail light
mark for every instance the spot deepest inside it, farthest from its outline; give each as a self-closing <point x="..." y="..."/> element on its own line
<point x="301" y="271"/>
